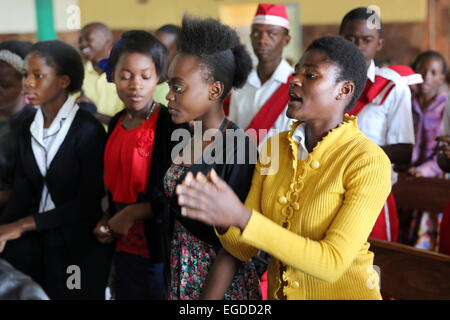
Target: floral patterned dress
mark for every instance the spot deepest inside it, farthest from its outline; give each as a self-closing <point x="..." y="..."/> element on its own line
<point x="191" y="258"/>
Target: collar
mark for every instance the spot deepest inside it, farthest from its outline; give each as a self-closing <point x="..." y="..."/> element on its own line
<point x="371" y="71"/>
<point x="37" y="126"/>
<point x="335" y="137"/>
<point x="299" y="136"/>
<point x="281" y="74"/>
<point x="88" y="67"/>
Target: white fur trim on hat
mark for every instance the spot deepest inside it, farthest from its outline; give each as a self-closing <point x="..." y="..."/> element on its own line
<point x="274" y="20"/>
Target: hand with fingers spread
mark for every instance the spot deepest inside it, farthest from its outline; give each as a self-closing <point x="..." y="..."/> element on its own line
<point x="212" y="201"/>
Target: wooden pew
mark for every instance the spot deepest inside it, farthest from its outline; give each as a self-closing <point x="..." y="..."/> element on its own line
<point x="410" y="273"/>
<point x="418" y="195"/>
<point x="424" y="194"/>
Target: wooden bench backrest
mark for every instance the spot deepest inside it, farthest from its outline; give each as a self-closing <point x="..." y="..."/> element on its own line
<point x="410" y="273"/>
<point x="424" y="194"/>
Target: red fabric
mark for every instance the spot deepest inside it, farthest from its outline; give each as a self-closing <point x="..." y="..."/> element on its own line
<point x="444" y="233"/>
<point x="380" y="230"/>
<point x="372" y="90"/>
<point x="128" y="155"/>
<point x="264" y="285"/>
<point x="267" y="9"/>
<point x="362" y="101"/>
<point x="402" y="69"/>
<point x="226" y="105"/>
<point x="269" y="113"/>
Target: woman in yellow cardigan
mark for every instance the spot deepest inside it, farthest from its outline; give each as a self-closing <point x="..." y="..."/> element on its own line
<point x="316" y="192"/>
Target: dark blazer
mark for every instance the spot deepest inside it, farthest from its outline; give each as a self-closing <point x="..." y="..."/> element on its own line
<point x="74" y="181"/>
<point x="157" y="229"/>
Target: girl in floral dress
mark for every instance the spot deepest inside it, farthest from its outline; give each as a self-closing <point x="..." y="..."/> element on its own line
<point x="211" y="62"/>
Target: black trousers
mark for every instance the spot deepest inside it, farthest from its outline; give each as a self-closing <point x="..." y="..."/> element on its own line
<point x="77" y="273"/>
<point x="136" y="278"/>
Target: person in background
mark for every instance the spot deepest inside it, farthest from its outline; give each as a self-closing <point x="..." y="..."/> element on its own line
<point x="58" y="186"/>
<point x="95" y="42"/>
<point x="210" y="63"/>
<point x="261" y="104"/>
<point x="13" y="110"/>
<point x="168" y="35"/>
<point x="383" y="109"/>
<point x="428" y="110"/>
<point x="313" y="205"/>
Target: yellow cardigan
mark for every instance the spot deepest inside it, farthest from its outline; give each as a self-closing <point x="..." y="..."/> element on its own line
<point x="314" y="216"/>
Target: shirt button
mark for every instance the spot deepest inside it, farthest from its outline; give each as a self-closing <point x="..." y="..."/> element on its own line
<point x="282" y="200"/>
<point x="295" y="284"/>
<point x="315" y="164"/>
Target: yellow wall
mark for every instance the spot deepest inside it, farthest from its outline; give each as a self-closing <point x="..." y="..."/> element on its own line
<point x="150" y="14"/>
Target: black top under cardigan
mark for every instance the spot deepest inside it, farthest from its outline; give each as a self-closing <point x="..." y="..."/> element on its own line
<point x="234" y="162"/>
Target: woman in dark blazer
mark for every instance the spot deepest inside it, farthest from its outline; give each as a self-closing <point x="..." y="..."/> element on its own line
<point x="57" y="193"/>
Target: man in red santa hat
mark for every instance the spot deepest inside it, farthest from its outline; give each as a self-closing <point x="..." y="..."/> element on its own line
<point x="261" y="104"/>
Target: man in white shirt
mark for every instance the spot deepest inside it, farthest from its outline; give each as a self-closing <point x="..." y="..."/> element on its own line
<point x="251" y="107"/>
<point x="383" y="109"/>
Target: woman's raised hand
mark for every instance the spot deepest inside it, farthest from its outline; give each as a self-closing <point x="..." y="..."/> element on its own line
<point x="212" y="201"/>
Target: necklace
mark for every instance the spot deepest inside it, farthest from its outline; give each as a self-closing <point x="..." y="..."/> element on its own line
<point x="152" y="108"/>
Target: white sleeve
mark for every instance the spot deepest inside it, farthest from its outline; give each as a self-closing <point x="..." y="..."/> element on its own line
<point x="400" y="127"/>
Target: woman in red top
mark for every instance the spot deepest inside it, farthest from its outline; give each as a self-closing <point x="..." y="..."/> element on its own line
<point x="136" y="63"/>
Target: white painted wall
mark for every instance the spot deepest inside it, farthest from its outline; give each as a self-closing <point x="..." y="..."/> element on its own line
<point x="19" y="16"/>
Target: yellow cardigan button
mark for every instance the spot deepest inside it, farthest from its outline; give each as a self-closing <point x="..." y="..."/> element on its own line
<point x="282" y="200"/>
<point x="295" y="205"/>
<point x="295" y="284"/>
<point x="315" y="164"/>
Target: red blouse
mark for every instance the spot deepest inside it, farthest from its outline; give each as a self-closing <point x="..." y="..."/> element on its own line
<point x="128" y="156"/>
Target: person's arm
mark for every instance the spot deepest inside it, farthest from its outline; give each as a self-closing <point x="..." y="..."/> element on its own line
<point x="123" y="220"/>
<point x="102" y="231"/>
<point x="443" y="148"/>
<point x="428" y="169"/>
<point x="367" y="184"/>
<point x="220" y="276"/>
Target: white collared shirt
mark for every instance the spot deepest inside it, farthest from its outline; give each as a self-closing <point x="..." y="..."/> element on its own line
<point x="246" y="102"/>
<point x="299" y="136"/>
<point x="392" y="121"/>
<point x="45" y="143"/>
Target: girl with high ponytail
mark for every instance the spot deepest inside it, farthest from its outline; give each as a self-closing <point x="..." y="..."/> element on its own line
<point x="211" y="62"/>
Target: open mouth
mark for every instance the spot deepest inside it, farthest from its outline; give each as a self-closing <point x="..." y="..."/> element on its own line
<point x="294" y="98"/>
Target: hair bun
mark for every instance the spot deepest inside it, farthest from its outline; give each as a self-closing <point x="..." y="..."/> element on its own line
<point x="243" y="65"/>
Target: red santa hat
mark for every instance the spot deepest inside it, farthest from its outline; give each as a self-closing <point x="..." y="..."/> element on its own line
<point x="274" y="14"/>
